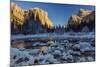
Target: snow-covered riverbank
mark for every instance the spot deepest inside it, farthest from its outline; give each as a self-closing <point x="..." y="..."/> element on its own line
<point x="60" y="51"/>
<point x="74" y="35"/>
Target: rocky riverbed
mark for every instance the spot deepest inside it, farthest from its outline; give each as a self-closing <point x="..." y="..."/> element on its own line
<point x="54" y="52"/>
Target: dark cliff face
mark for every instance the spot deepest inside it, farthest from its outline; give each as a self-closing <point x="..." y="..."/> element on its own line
<point x="89" y="21"/>
<point x="84" y="21"/>
<point x="36" y="21"/>
<point x="29" y="21"/>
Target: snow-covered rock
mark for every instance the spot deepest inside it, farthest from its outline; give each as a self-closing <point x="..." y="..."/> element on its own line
<point x="50" y="58"/>
<point x="67" y="56"/>
<point x="57" y="53"/>
<point x="69" y="51"/>
<point x="76" y="53"/>
<point x="43" y="44"/>
<point x="50" y="42"/>
<point x="41" y="59"/>
<point x="90" y="58"/>
<point x="34" y="52"/>
<point x="39" y="44"/>
<point x="21" y="49"/>
<point x="66" y="41"/>
<point x="20" y="58"/>
<point x="76" y="47"/>
<point x="36" y="44"/>
<point x="82" y="59"/>
<point x="84" y="46"/>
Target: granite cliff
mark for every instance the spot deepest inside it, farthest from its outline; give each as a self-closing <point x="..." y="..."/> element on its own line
<point x="83" y="21"/>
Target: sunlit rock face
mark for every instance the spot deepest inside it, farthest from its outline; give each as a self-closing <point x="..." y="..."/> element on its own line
<point x="17" y="14"/>
<point x="83" y="12"/>
<point x="36" y="21"/>
<point x="73" y="22"/>
<point x="29" y="21"/>
<point x="84" y="18"/>
<point x="41" y="16"/>
<point x="17" y="18"/>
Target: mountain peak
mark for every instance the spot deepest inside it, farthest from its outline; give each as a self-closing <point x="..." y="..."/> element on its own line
<point x="83" y="18"/>
<point x="32" y="17"/>
<point x="41" y="16"/>
<point x="83" y="12"/>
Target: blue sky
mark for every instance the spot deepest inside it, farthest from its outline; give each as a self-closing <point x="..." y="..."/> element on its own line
<point x="58" y="13"/>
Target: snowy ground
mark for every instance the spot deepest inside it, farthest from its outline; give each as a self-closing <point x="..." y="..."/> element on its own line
<point x="54" y="52"/>
<point x="55" y="35"/>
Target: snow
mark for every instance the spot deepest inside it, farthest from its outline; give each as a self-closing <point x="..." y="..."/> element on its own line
<point x="20" y="55"/>
<point x="55" y="35"/>
<point x="69" y="57"/>
<point x="76" y="46"/>
<point x="58" y="51"/>
<point x="84" y="46"/>
<point x="82" y="59"/>
<point x="36" y="44"/>
<point x="34" y="52"/>
<point x="50" y="42"/>
<point x="50" y="59"/>
<point x="90" y="58"/>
